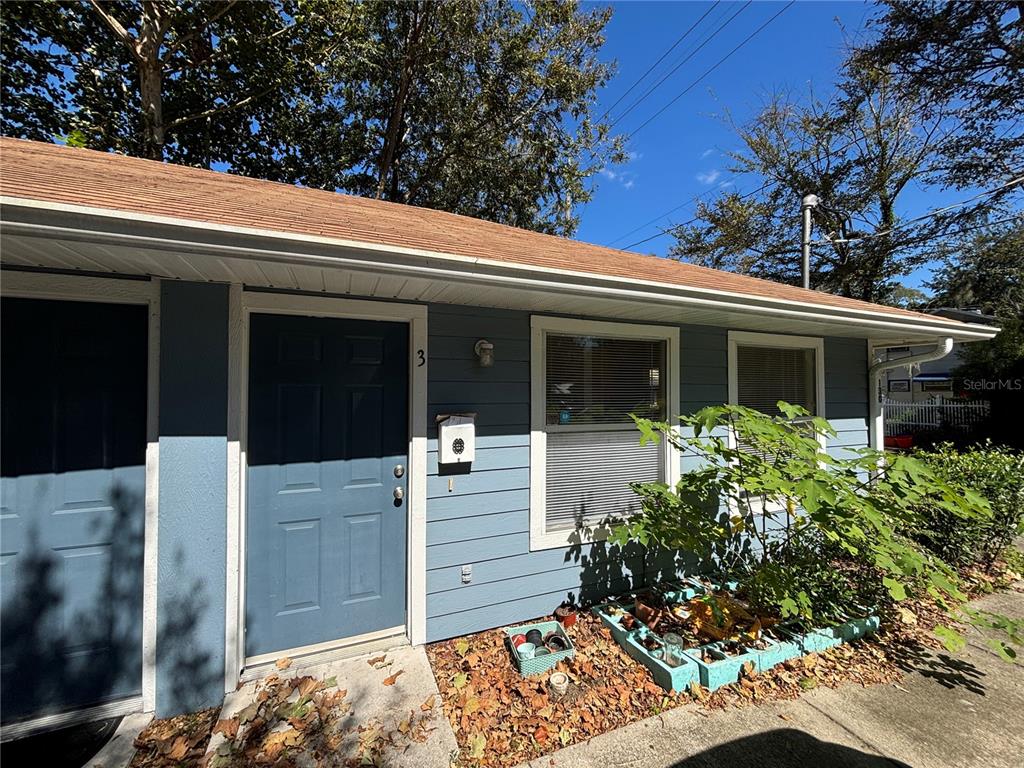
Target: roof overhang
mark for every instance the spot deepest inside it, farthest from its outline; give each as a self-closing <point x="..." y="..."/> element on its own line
<point x="70" y="237"/>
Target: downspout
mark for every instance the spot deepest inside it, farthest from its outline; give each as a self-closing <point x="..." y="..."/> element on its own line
<point x="877" y="422"/>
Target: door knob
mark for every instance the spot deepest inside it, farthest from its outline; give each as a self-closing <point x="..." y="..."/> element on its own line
<point x="399" y="470"/>
<point x="399" y="492"/>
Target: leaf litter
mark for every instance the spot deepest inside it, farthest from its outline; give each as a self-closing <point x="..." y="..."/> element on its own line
<point x="503" y="719"/>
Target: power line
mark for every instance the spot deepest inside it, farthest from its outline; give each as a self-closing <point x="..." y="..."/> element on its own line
<point x="902" y="225"/>
<point x="660" y="59"/>
<point x="771" y="183"/>
<point x="711" y="69"/>
<point x="663" y="232"/>
<point x="694" y="199"/>
<point x="679" y="64"/>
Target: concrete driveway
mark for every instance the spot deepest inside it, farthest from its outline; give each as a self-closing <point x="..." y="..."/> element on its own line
<point x="960" y="711"/>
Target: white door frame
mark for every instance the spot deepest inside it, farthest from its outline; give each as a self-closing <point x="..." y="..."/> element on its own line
<point x="242" y="304"/>
<point x="104" y="290"/>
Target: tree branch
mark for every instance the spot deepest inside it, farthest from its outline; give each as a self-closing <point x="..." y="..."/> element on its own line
<point x="219" y="109"/>
<point x="200" y="29"/>
<point x="115" y="26"/>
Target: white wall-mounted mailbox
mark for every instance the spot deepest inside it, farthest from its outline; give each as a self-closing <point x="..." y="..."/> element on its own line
<point x="456" y="439"/>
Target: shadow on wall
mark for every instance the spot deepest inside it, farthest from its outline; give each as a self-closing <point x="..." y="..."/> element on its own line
<point x="785" y="748"/>
<point x="72" y="639"/>
<point x="608" y="570"/>
<point x="63" y="650"/>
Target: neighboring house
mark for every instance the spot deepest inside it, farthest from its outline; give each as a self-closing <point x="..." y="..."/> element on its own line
<point x="220" y="399"/>
<point x="931" y="381"/>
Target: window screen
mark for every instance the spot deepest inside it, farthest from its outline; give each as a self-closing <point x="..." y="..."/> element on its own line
<point x="765" y="375"/>
<point x="592" y="384"/>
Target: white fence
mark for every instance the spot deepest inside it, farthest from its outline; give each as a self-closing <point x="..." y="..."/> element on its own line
<point x="910" y="418"/>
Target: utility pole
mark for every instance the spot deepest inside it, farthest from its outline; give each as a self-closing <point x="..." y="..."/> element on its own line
<point x="806" y="206"/>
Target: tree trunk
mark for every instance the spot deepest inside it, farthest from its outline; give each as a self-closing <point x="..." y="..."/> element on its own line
<point x="396" y="119"/>
<point x="152" y="29"/>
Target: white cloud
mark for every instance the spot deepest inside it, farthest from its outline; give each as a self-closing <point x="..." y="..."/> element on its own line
<point x="707" y="153"/>
<point x="710" y="177"/>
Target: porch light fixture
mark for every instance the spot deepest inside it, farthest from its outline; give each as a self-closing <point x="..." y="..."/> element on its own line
<point x="485" y="352"/>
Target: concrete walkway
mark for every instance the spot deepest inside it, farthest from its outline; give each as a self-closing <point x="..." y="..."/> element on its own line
<point x="960" y="711"/>
<point x="379" y="715"/>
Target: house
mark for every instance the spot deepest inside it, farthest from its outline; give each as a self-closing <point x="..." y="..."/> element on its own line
<point x="930" y="381"/>
<point x="220" y="407"/>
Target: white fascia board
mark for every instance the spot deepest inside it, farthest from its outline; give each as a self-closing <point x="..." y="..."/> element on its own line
<point x="375" y="256"/>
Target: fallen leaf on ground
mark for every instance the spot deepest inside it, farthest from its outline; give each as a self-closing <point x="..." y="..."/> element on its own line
<point x="391" y="680"/>
<point x="477" y="744"/>
<point x="428" y="705"/>
<point x="377" y="660"/>
<point x="227" y="727"/>
<point x="283" y="663"/>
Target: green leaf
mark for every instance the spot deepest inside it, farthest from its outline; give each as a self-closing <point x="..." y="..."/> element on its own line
<point x="951" y="639"/>
<point x="896" y="588"/>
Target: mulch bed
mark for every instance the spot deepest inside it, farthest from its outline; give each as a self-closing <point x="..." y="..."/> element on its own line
<point x="503" y="719"/>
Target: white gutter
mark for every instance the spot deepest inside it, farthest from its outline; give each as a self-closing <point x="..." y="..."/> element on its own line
<point x="476" y="269"/>
<point x="877" y="420"/>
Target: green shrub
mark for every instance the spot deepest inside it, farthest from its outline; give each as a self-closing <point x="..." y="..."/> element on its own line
<point x="996" y="473"/>
<point x="775" y="512"/>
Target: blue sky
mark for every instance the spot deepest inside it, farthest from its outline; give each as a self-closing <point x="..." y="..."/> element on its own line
<point x="679" y="154"/>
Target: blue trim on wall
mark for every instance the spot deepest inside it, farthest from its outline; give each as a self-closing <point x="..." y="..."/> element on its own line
<point x="191" y="584"/>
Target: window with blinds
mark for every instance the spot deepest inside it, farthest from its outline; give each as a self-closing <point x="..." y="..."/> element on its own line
<point x="592" y="385"/>
<point x="765" y="375"/>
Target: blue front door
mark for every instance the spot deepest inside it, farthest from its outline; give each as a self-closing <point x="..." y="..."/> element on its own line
<point x="327" y="454"/>
<point x="72" y="504"/>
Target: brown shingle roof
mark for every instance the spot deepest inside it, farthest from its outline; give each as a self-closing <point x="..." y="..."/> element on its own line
<point x="53" y="173"/>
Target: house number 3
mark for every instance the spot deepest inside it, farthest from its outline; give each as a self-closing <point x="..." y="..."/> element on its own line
<point x="421" y="358"/>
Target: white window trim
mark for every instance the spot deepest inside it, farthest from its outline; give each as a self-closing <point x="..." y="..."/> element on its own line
<point x="781" y="341"/>
<point x="540" y="326"/>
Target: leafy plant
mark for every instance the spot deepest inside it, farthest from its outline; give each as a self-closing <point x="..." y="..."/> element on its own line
<point x="995" y="472"/>
<point x="774" y="508"/>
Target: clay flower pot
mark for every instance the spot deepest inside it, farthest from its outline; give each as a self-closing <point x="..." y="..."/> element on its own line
<point x="565" y="615"/>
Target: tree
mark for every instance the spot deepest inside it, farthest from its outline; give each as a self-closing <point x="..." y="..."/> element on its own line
<point x="858" y="153"/>
<point x="965" y="59"/>
<point x="481" y="108"/>
<point x="986" y="272"/>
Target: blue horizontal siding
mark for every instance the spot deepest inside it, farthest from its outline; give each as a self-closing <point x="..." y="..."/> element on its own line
<point x="481" y="518"/>
<point x="478" y="526"/>
<point x="455" y="507"/>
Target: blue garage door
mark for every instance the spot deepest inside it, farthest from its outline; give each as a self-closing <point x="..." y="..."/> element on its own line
<point x="328" y="438"/>
<point x="72" y="498"/>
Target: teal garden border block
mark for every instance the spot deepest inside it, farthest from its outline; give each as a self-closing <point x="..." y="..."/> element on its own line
<point x="674" y="592"/>
<point x="669" y="678"/>
<point x="776" y="653"/>
<point x="854" y="629"/>
<point x="612" y="622"/>
<point x="815" y="640"/>
<point x="539" y="665"/>
<point x="724" y="670"/>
